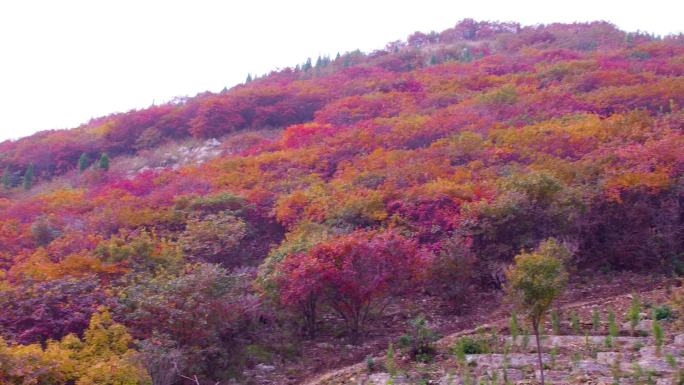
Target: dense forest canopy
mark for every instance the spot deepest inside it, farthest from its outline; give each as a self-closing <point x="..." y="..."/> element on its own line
<point x="330" y="189"/>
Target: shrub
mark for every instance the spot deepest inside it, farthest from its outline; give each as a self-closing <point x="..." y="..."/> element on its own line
<point x="214" y="237"/>
<point x="35" y="312"/>
<point x="469" y="345"/>
<point x="662" y="312"/>
<point x="355" y="274"/>
<point x="206" y="312"/>
<point x="419" y="341"/>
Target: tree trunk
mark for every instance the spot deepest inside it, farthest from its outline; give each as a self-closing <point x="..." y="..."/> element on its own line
<point x="539" y="351"/>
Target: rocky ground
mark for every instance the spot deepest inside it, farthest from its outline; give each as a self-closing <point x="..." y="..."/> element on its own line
<point x="575" y="353"/>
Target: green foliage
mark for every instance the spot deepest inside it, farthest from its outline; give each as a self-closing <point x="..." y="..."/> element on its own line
<point x="469" y="345"/>
<point x="595" y="320"/>
<point x="390" y="363"/>
<point x="103" y="163"/>
<point x="420" y="340"/>
<point x="83" y="162"/>
<point x="575" y="322"/>
<point x="537" y="279"/>
<point x="555" y="321"/>
<point x="6" y="178"/>
<point x="144" y="250"/>
<point x="662" y="312"/>
<point x="613" y="328"/>
<point x="658" y="334"/>
<point x="28" y="178"/>
<point x="634" y="312"/>
<point x="514" y="326"/>
<point x="214" y="237"/>
<point x="370" y="364"/>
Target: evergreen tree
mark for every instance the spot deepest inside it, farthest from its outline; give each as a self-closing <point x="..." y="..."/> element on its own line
<point x="6" y="178"/>
<point x="307" y="65"/>
<point x="83" y="162"/>
<point x="104" y="162"/>
<point x="249" y="78"/>
<point x="28" y="178"/>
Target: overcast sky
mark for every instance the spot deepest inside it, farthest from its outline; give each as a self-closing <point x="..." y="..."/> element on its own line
<point x="64" y="62"/>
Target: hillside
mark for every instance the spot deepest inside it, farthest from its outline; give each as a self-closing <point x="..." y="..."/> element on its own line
<point x="293" y="224"/>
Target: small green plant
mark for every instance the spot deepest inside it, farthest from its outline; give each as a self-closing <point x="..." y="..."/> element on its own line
<point x="576" y="357"/>
<point x="658" y="334"/>
<point x="634" y="312"/>
<point x="671" y="360"/>
<point x="637" y="372"/>
<point x="554" y="355"/>
<point x="587" y="344"/>
<point x="484" y="340"/>
<point x="613" y="328"/>
<point x="468" y="345"/>
<point x="615" y="369"/>
<point x="608" y="341"/>
<point x="390" y="363"/>
<point x="637" y="345"/>
<point x="370" y="364"/>
<point x="595" y="320"/>
<point x="555" y="321"/>
<point x="574" y="322"/>
<point x="525" y="339"/>
<point x="420" y="340"/>
<point x="662" y="312"/>
<point x="514" y="326"/>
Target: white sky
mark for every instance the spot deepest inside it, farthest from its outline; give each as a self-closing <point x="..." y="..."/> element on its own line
<point x="63" y="62"/>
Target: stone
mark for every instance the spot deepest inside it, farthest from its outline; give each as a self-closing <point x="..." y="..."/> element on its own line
<point x="515" y="360"/>
<point x="591" y="367"/>
<point x="265" y="368"/>
<point x="384" y="378"/>
<point x="652" y="351"/>
<point x="656" y="364"/>
<point x="645" y="325"/>
<point x="679" y="340"/>
<point x="552" y="376"/>
<point x="607" y="358"/>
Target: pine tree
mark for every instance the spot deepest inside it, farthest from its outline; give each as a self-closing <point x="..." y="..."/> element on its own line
<point x="28" y="178"/>
<point x="307" y="65"/>
<point x="83" y="162"/>
<point x="104" y="162"/>
<point x="249" y="78"/>
<point x="6" y="178"/>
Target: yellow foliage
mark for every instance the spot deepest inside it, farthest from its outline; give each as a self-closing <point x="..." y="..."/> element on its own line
<point x="102" y="358"/>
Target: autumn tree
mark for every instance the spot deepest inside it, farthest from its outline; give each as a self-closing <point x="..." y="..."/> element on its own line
<point x="213" y="237"/>
<point x="355" y="274"/>
<point x="35" y="312"/>
<point x="534" y="281"/>
<point x="204" y="312"/>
